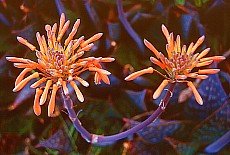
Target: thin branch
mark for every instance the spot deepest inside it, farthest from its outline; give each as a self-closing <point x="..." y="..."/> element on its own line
<point x="102" y="140"/>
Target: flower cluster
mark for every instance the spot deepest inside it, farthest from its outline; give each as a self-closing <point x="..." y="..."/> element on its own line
<point x="179" y="64"/>
<point x="58" y="65"/>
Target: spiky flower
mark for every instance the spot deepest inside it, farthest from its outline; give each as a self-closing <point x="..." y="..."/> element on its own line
<point x="179" y="64"/>
<point x="58" y="65"/>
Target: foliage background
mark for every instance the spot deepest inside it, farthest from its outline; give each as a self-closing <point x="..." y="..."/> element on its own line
<point x="184" y="128"/>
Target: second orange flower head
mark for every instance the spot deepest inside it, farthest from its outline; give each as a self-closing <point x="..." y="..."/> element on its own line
<point x="179" y="63"/>
<point x="58" y="64"/>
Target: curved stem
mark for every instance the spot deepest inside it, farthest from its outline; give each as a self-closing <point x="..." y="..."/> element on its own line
<point x="100" y="139"/>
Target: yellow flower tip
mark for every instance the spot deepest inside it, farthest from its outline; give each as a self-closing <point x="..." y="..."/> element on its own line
<point x="208" y="71"/>
<point x="195" y="92"/>
<point x="203" y="53"/>
<point x="160" y="89"/>
<point x="139" y="73"/>
<point x="25" y="81"/>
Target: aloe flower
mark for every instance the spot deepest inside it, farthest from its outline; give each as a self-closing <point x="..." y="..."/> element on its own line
<point x="57" y="64"/>
<point x="179" y="63"/>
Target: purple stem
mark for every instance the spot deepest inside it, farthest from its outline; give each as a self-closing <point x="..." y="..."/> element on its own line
<point x="218" y="144"/>
<point x="100" y="139"/>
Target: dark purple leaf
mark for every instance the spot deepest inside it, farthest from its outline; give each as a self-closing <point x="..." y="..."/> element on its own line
<point x="213" y="96"/>
<point x="58" y="141"/>
<point x="128" y="27"/>
<point x="137" y="98"/>
<point x="23" y="95"/>
<point x="157" y="130"/>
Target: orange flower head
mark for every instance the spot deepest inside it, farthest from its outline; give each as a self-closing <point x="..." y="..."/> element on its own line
<point x="57" y="64"/>
<point x="179" y="63"/>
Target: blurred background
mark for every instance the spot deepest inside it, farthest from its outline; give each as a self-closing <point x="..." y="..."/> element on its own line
<point x="184" y="128"/>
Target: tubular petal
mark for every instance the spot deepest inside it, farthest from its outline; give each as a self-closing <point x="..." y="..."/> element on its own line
<point x="45" y="92"/>
<point x="203" y="77"/>
<point x="165" y="30"/>
<point x="91" y="39"/>
<point x="65" y="27"/>
<point x="157" y="62"/>
<point x="214" y="58"/>
<point x="37" y="83"/>
<point x="83" y="82"/>
<point x="25" y="81"/>
<point x="97" y="78"/>
<point x="139" y="73"/>
<point x="107" y="59"/>
<point x="203" y="53"/>
<point x="151" y="47"/>
<point x="205" y="63"/>
<point x="181" y="77"/>
<point x="197" y="44"/>
<point x="37" y="107"/>
<point x="22" y="75"/>
<point x="104" y="78"/>
<point x="86" y="48"/>
<point x="25" y="42"/>
<point x="51" y="105"/>
<point x="102" y="71"/>
<point x="78" y="92"/>
<point x="195" y="92"/>
<point x="208" y="71"/>
<point x="62" y="22"/>
<point x="22" y="65"/>
<point x="160" y="88"/>
<point x="65" y="88"/>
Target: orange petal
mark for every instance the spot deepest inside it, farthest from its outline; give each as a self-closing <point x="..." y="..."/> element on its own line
<point x="107" y="59"/>
<point x="160" y="89"/>
<point x="165" y="30"/>
<point x="214" y="58"/>
<point x="102" y="71"/>
<point x="86" y="48"/>
<point x="25" y="81"/>
<point x="202" y="77"/>
<point x="62" y="22"/>
<point x="203" y="53"/>
<point x="190" y="48"/>
<point x="104" y="78"/>
<point x="65" y="88"/>
<point x="37" y="107"/>
<point x="197" y="44"/>
<point x="51" y="105"/>
<point x="92" y="39"/>
<point x="205" y="63"/>
<point x="63" y="30"/>
<point x="97" y="78"/>
<point x="37" y="83"/>
<point x="157" y="62"/>
<point x="15" y="59"/>
<point x="77" y="91"/>
<point x="39" y="40"/>
<point x="22" y="65"/>
<point x="22" y="75"/>
<point x="195" y="92"/>
<point x="192" y="75"/>
<point x="139" y="73"/>
<point x="208" y="71"/>
<point x="45" y="92"/>
<point x="83" y="82"/>
<point x="181" y="77"/>
<point x="73" y="32"/>
<point x="25" y="42"/>
<point x="151" y="47"/>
